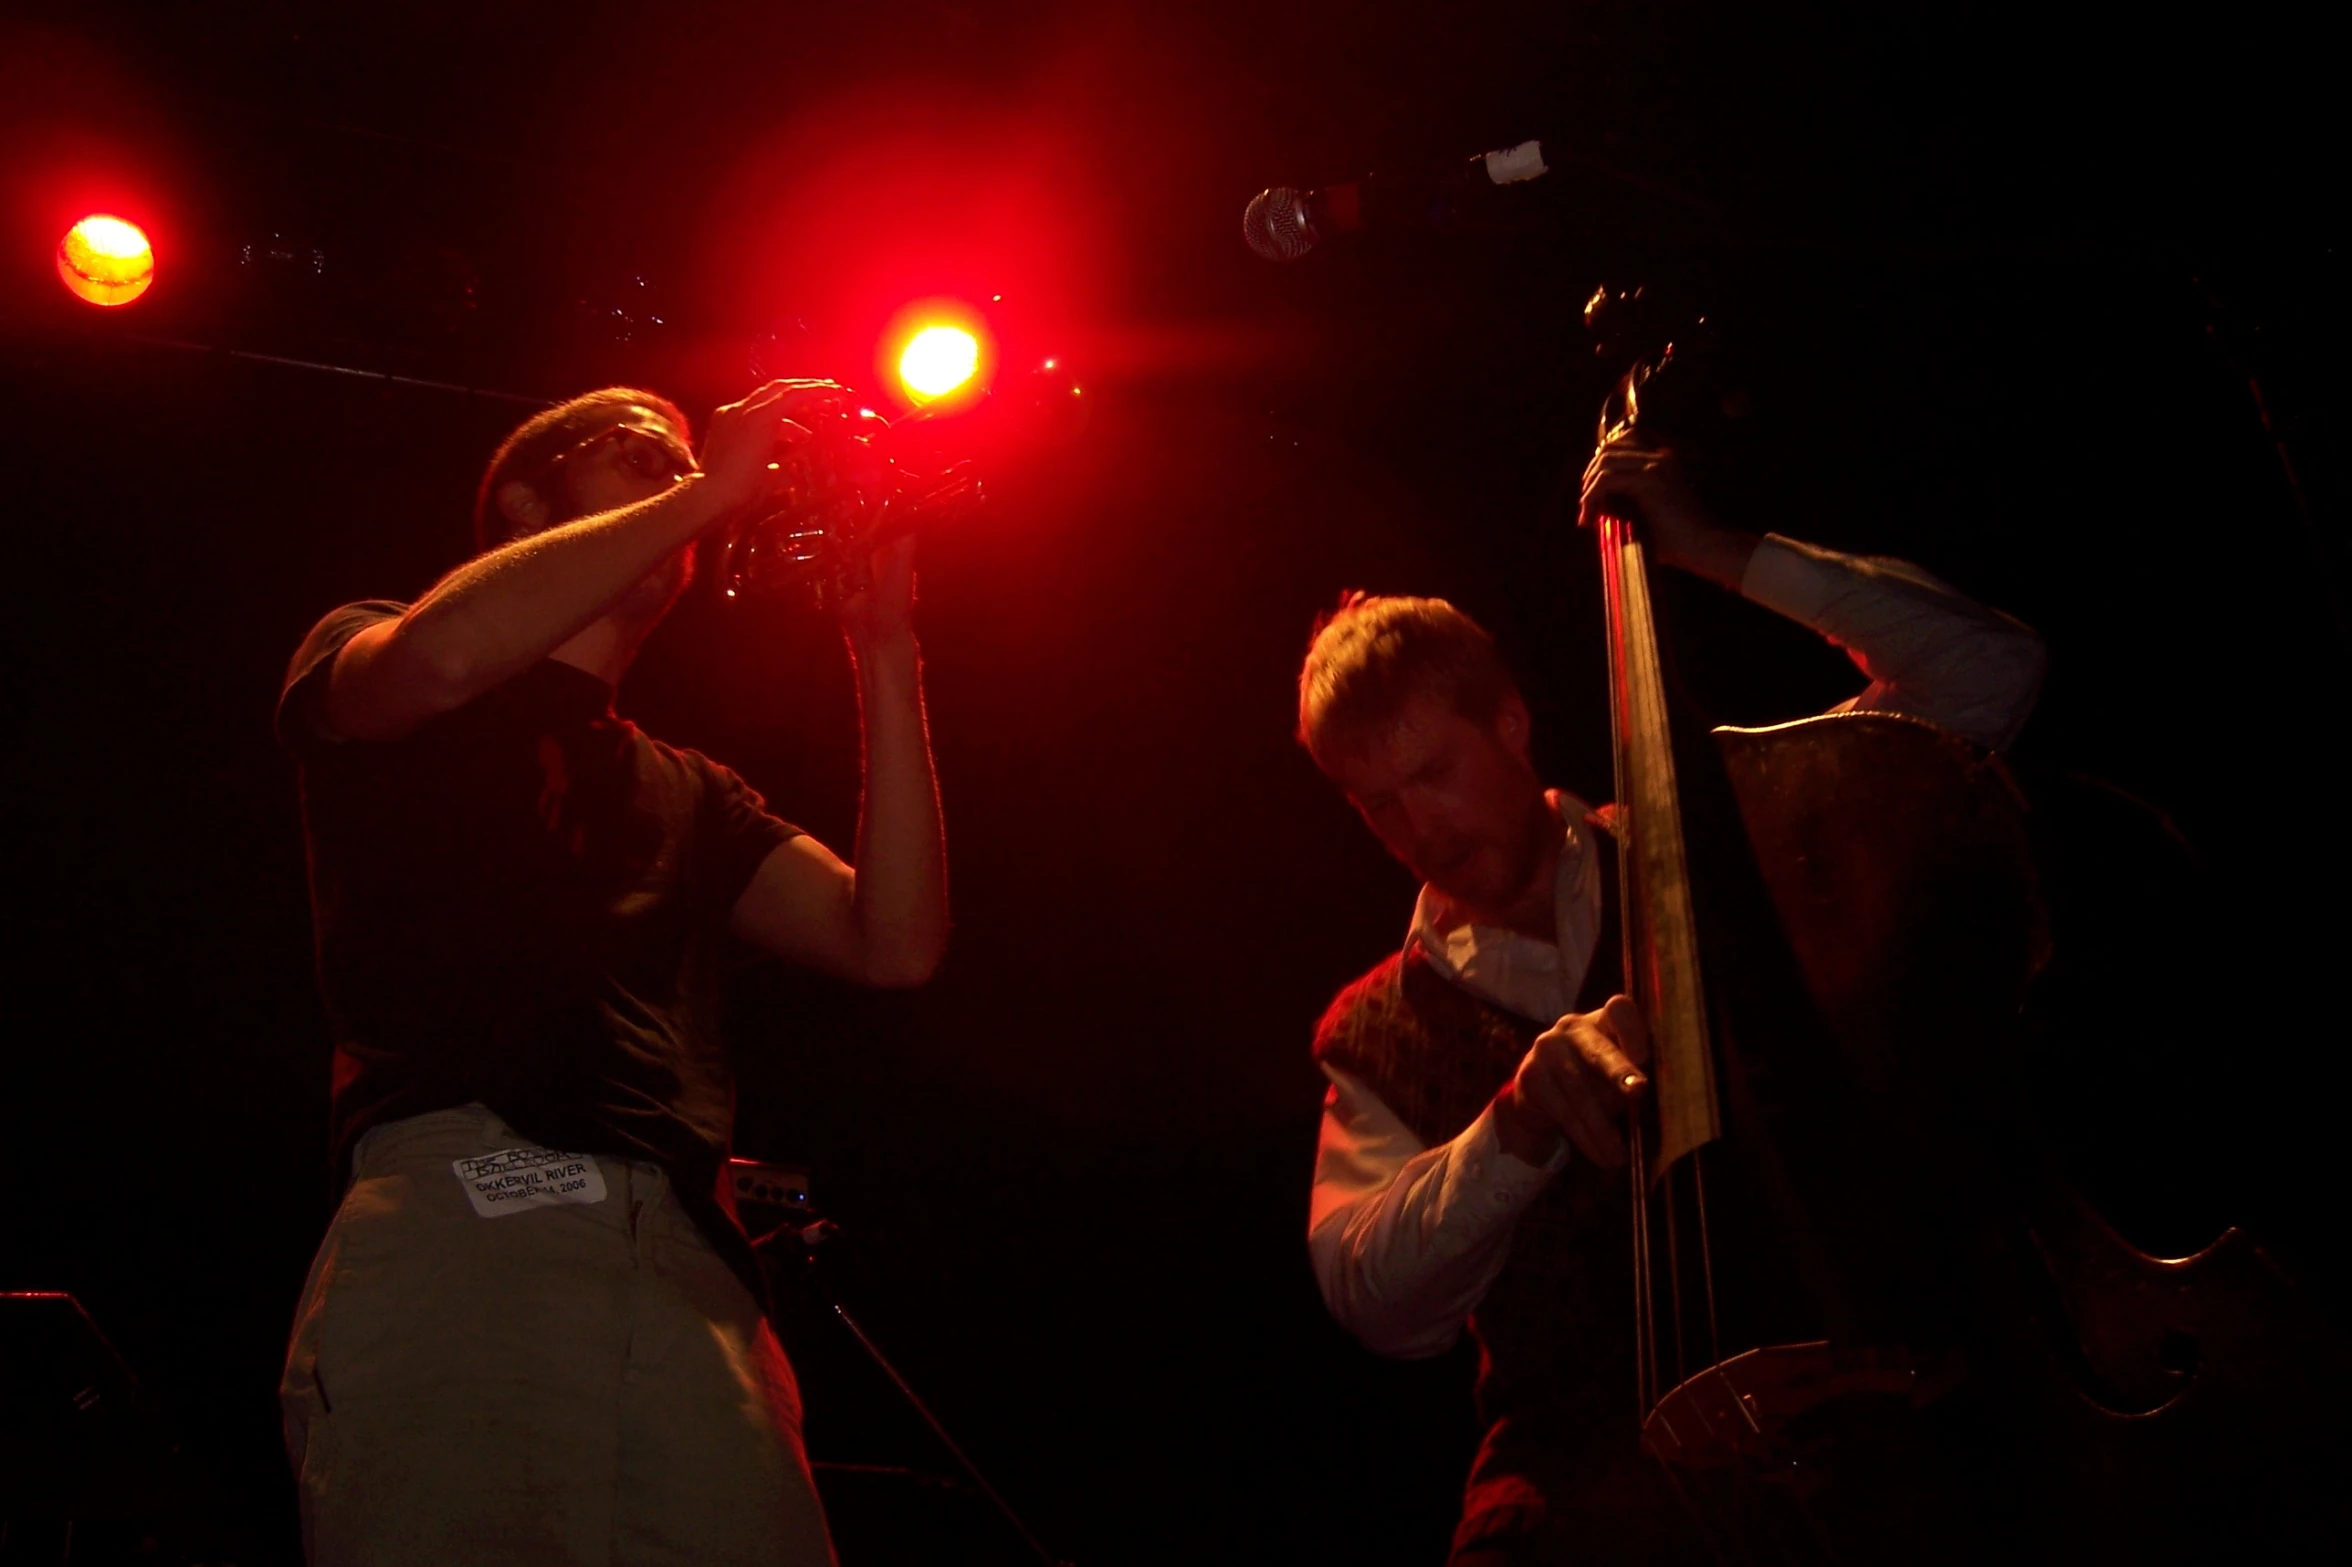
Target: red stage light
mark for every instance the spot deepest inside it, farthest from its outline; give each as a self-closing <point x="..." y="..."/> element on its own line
<point x="938" y="352"/>
<point x="105" y="260"/>
<point x="937" y="360"/>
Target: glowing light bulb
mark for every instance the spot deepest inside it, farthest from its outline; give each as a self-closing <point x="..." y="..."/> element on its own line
<point x="105" y="260"/>
<point x="938" y="360"/>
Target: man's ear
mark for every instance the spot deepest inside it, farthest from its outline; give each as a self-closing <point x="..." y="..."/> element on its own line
<point x="522" y="507"/>
<point x="1513" y="727"/>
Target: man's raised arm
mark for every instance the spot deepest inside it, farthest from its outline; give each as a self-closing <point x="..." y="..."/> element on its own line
<point x="1927" y="649"/>
<point x="505" y="610"/>
<point x="885" y="921"/>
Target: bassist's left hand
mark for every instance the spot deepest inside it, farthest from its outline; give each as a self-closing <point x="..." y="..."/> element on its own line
<point x="1644" y="482"/>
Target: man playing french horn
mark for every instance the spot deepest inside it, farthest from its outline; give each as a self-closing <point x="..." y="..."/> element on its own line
<point x="533" y="1332"/>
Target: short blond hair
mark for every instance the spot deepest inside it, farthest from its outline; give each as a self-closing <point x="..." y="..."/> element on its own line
<point x="1372" y="654"/>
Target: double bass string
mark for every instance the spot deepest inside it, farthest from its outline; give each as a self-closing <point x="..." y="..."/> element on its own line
<point x="1698" y="1167"/>
<point x="1674" y="1282"/>
<point x="1645" y="1362"/>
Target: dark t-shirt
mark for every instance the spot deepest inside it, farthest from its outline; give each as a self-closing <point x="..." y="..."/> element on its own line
<point x="523" y="902"/>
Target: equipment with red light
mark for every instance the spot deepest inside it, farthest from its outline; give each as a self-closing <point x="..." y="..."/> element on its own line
<point x="106" y="260"/>
<point x="937" y="361"/>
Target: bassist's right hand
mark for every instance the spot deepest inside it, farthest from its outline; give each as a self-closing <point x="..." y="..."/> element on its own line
<point x="1578" y="1081"/>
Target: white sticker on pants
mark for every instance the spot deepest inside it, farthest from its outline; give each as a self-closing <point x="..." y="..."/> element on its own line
<point x="513" y="1179"/>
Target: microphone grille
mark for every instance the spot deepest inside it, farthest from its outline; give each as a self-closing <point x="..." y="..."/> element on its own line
<point x="1276" y="224"/>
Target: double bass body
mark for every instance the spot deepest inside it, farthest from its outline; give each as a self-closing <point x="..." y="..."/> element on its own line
<point x="1990" y="1371"/>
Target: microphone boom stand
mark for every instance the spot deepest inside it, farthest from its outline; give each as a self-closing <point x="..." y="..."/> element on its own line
<point x="813" y="1235"/>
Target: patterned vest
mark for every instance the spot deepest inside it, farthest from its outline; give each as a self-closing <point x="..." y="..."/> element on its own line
<point x="1555" y="1331"/>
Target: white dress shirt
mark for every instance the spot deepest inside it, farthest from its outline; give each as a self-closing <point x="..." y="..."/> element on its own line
<point x="1407" y="1238"/>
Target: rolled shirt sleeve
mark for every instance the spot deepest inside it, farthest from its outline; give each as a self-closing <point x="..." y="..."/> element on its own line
<point x="1928" y="650"/>
<point x="1406" y="1239"/>
<point x="734" y="832"/>
<point x="301" y="720"/>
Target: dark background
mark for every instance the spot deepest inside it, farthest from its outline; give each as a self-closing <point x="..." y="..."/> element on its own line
<point x="1998" y="276"/>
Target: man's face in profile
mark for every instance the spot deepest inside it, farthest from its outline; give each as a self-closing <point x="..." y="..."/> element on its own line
<point x="633" y="456"/>
<point x="1455" y="800"/>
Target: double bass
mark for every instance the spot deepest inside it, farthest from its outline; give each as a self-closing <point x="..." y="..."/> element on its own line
<point x="1872" y="1318"/>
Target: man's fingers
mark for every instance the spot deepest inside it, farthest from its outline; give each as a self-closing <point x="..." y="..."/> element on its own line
<point x="785" y="384"/>
<point x="1626" y="473"/>
<point x="1582" y="1077"/>
<point x="1599" y="488"/>
<point x="759" y="397"/>
<point x="1606" y="482"/>
<point x="1611" y="1068"/>
<point x="1608" y="1043"/>
<point x="1622" y="1021"/>
<point x="1622" y="460"/>
<point x="1626" y="442"/>
<point x="770" y="393"/>
<point x="1579" y="1079"/>
<point x="1574" y="1109"/>
<point x="815" y="394"/>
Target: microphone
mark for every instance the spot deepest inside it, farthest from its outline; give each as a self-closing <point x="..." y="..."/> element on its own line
<point x="1283" y="224"/>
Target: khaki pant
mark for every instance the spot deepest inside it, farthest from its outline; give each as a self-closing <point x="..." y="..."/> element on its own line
<point x="525" y="1358"/>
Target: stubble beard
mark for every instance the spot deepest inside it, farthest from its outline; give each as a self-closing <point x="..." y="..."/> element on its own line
<point x="1526" y="897"/>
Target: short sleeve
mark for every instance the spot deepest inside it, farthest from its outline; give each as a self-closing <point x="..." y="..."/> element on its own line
<point x="735" y="832"/>
<point x="301" y="722"/>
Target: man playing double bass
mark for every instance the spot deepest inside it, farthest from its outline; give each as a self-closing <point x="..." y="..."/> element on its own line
<point x="1471" y="1157"/>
